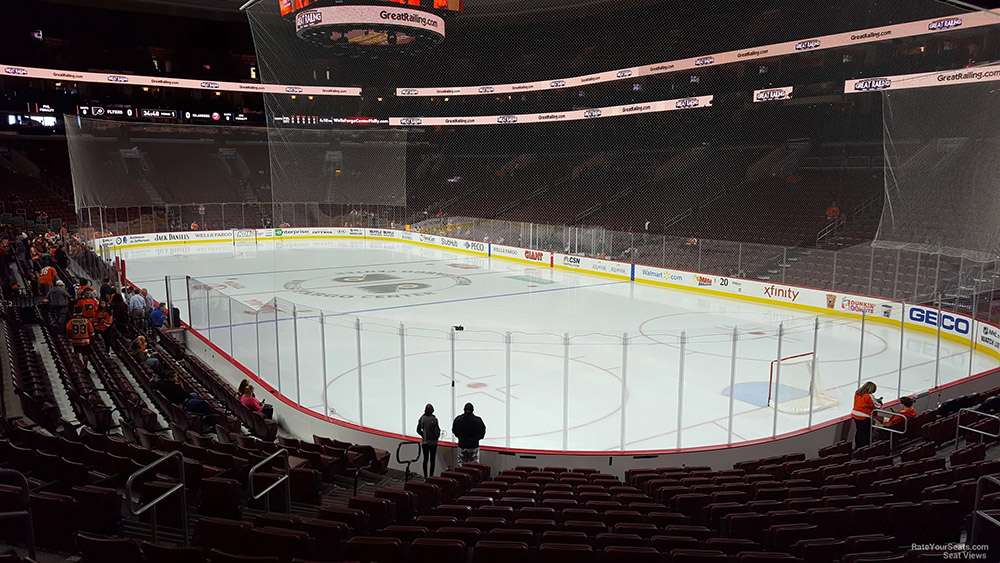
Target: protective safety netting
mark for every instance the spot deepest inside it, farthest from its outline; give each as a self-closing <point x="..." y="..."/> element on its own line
<point x="314" y="154"/>
<point x="942" y="180"/>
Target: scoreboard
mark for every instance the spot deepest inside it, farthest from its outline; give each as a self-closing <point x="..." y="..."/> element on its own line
<point x="289" y="7"/>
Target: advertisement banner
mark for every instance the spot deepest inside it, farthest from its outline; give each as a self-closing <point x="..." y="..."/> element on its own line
<point x="923" y="80"/>
<point x="805" y="45"/>
<point x="521" y="254"/>
<point x="620" y="270"/>
<point x="988" y="336"/>
<point x="15" y="71"/>
<point x="575" y="115"/>
<point x="380" y="233"/>
<point x="928" y="317"/>
<point x="773" y="94"/>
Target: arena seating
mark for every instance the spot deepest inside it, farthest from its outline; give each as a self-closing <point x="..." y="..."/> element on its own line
<point x="867" y="504"/>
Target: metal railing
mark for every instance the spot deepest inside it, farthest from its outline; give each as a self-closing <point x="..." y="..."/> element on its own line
<point x="959" y="427"/>
<point x="979" y="517"/>
<point x="283" y="480"/>
<point x="407" y="462"/>
<point x="179" y="487"/>
<point x="885" y="427"/>
<point x="25" y="491"/>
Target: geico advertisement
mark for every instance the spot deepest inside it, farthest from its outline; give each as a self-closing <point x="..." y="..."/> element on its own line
<point x="951" y="323"/>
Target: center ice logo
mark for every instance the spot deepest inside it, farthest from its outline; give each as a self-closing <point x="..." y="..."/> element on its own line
<point x="378" y="284"/>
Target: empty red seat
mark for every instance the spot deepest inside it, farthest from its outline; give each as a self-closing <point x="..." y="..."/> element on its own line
<point x="665" y="543"/>
<point x="607" y="539"/>
<point x="565" y="537"/>
<point x="499" y="552"/>
<point x="484" y="523"/>
<point x="468" y="536"/>
<point x="642" y="529"/>
<point x="381" y="512"/>
<point x="566" y="553"/>
<point x="96" y="549"/>
<point x="370" y="548"/>
<point x="436" y="550"/>
<point x="630" y="554"/>
<point x="404" y="532"/>
<point x="697" y="556"/>
<point x="434" y="522"/>
<point x="511" y="535"/>
<point x="230" y="536"/>
<point x="162" y="553"/>
<point x="588" y="527"/>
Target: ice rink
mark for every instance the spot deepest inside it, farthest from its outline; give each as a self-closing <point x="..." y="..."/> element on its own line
<point x="550" y="359"/>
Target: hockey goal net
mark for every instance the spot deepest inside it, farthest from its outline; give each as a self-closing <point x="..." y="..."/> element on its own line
<point x="245" y="237"/>
<point x="797" y="384"/>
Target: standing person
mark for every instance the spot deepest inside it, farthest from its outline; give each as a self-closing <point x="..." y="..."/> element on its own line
<point x="429" y="431"/>
<point x="119" y="312"/>
<point x="137" y="311"/>
<point x="864" y="405"/>
<point x="469" y="429"/>
<point x="80" y="330"/>
<point x="58" y="304"/>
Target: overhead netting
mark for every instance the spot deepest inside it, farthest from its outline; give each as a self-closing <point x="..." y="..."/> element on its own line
<point x="314" y="156"/>
<point x="942" y="180"/>
<point x="130" y="164"/>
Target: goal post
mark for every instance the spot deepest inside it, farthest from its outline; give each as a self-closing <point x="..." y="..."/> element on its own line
<point x="245" y="237"/>
<point x="800" y="381"/>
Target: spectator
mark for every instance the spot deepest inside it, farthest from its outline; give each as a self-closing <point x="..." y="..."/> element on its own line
<point x="104" y="321"/>
<point x="148" y="298"/>
<point x="107" y="290"/>
<point x="158" y="317"/>
<point x="833" y="211"/>
<point x="174" y="392"/>
<point x="137" y="310"/>
<point x="248" y="400"/>
<point x="864" y="405"/>
<point x="429" y="431"/>
<point x="469" y="429"/>
<point x="58" y="304"/>
<point x="907" y="413"/>
<point x="140" y="351"/>
<point x="46" y="279"/>
<point x="87" y="304"/>
<point x="80" y="330"/>
<point x="119" y="313"/>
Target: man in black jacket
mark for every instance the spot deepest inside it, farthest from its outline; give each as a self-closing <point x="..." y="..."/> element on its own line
<point x="469" y="429"/>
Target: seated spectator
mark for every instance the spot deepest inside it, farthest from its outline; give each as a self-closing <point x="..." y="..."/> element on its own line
<point x="158" y="317"/>
<point x="140" y="350"/>
<point x="174" y="392"/>
<point x="907" y="412"/>
<point x="248" y="400"/>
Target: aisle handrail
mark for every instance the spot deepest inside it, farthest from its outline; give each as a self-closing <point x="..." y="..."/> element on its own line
<point x="181" y="486"/>
<point x="959" y="427"/>
<point x="283" y="480"/>
<point x="25" y="491"/>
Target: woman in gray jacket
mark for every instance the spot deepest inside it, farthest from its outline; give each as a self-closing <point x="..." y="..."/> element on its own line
<point x="429" y="431"/>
